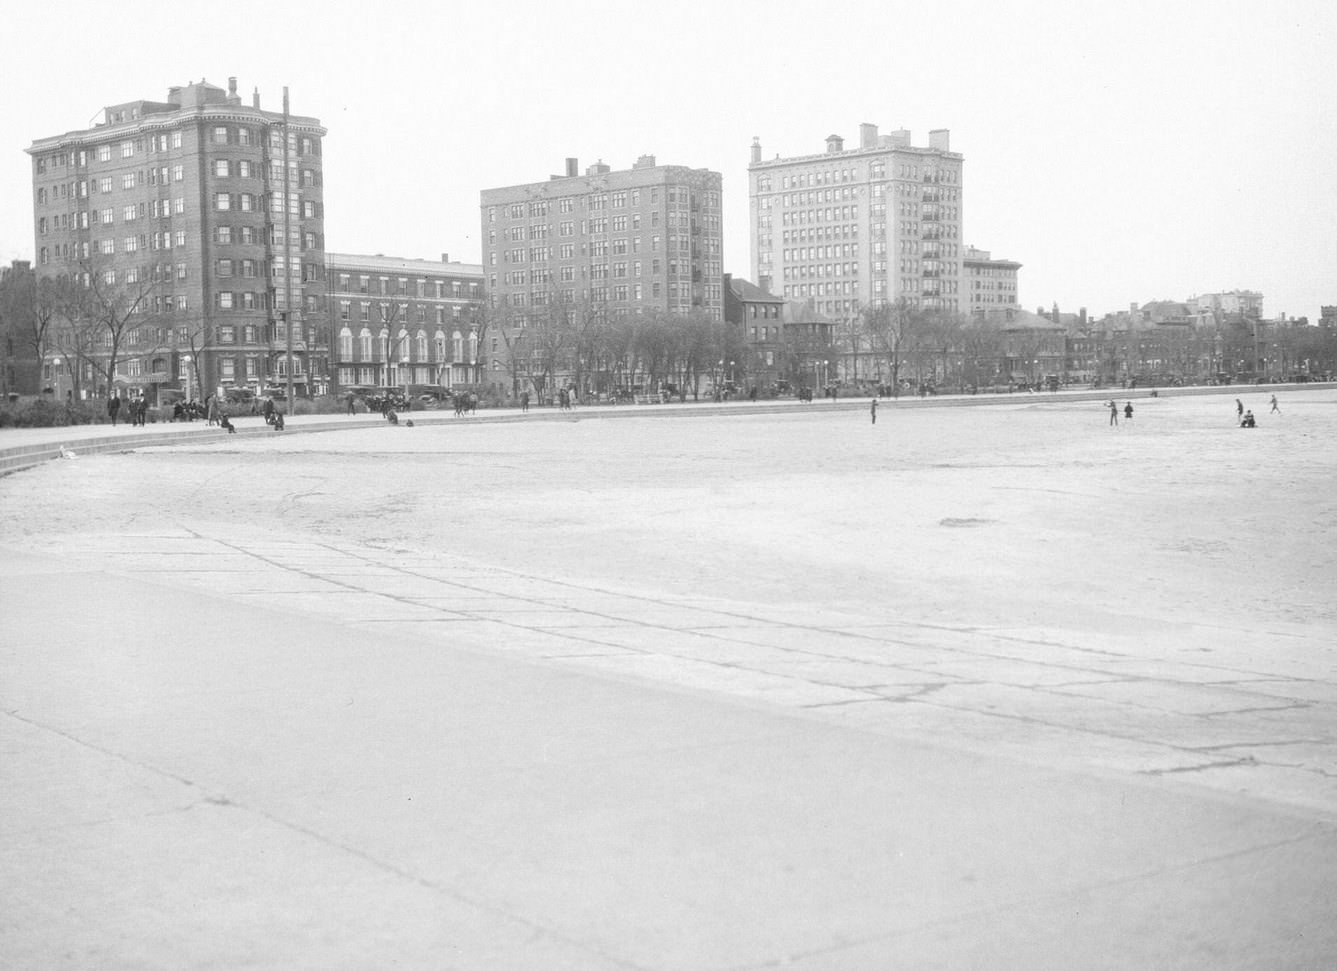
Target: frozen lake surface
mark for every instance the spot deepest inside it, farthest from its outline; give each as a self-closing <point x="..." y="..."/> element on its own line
<point x="1176" y="538"/>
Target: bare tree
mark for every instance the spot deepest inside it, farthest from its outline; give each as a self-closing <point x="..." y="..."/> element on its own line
<point x="888" y="326"/>
<point x="100" y="306"/>
<point x="28" y="305"/>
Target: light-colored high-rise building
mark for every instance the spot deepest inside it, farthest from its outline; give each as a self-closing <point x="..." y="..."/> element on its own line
<point x="169" y="217"/>
<point x="853" y="227"/>
<point x="644" y="238"/>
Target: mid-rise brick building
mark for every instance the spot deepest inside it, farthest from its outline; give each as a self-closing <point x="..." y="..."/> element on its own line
<point x="622" y="242"/>
<point x="990" y="284"/>
<point x="169" y="216"/>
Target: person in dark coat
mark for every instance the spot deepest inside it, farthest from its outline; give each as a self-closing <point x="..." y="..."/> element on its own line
<point x="114" y="408"/>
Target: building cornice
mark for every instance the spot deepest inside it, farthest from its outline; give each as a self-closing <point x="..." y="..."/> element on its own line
<point x="855" y="153"/>
<point x="398" y="264"/>
<point x="167" y="120"/>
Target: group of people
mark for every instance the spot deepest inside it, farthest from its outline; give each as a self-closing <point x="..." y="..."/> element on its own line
<point x="1245" y="415"/>
<point x="1114" y="411"/>
<point x="135" y="409"/>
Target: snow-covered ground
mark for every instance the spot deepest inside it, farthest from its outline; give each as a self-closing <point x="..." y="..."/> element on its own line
<point x="1028" y="513"/>
<point x="1113" y="573"/>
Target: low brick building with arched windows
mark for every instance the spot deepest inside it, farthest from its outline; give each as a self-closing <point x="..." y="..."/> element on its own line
<point x="397" y="322"/>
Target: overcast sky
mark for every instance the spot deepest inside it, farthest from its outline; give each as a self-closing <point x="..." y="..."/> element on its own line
<point x="1121" y="151"/>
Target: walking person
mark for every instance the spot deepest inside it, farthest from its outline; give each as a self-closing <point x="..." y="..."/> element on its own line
<point x="114" y="407"/>
<point x="1128" y="410"/>
<point x="1114" y="412"/>
<point x="1275" y="410"/>
<point x="213" y="409"/>
<point x="351" y="409"/>
<point x="1239" y="410"/>
<point x="524" y="402"/>
<point x="872" y="411"/>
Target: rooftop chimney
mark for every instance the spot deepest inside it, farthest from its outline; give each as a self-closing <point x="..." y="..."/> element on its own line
<point x="255" y="99"/>
<point x="940" y="138"/>
<point x="834" y="143"/>
<point x="598" y="168"/>
<point x="572" y="166"/>
<point x="756" y="149"/>
<point x="645" y="162"/>
<point x="445" y="257"/>
<point x="867" y="135"/>
<point x="231" y="87"/>
<point x="900" y="138"/>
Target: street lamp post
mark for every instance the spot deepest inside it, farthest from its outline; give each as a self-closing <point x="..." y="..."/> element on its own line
<point x="185" y="366"/>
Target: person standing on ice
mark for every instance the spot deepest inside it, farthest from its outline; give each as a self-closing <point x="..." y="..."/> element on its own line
<point x="1128" y="410"/>
<point x="1114" y="412"/>
<point x="872" y="410"/>
<point x="1239" y="409"/>
<point x="1275" y="410"/>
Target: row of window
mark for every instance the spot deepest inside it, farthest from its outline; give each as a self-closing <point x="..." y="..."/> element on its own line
<point x="407" y="347"/>
<point x="386" y="286"/>
<point x="711" y="295"/>
<point x="81" y="188"/>
<point x="876" y="170"/>
<point x="365" y="311"/>
<point x="674" y="242"/>
<point x="130" y="147"/>
<point x="709" y="199"/>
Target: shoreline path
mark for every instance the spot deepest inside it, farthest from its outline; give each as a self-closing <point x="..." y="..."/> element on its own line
<point x="971" y="687"/>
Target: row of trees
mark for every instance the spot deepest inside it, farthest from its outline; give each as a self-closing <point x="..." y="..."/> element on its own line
<point x="584" y="345"/>
<point x="90" y="323"/>
<point x="900" y="341"/>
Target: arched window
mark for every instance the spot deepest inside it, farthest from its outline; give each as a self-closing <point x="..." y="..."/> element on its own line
<point x="422" y="345"/>
<point x="402" y="342"/>
<point x="440" y="345"/>
<point x="364" y="338"/>
<point x="473" y="347"/>
<point x="346" y="344"/>
<point x="457" y="346"/>
<point x="383" y="342"/>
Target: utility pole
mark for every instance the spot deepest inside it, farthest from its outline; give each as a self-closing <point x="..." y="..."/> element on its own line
<point x="287" y="250"/>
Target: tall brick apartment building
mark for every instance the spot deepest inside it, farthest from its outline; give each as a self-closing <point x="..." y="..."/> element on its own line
<point x="171" y="214"/>
<point x="645" y="238"/>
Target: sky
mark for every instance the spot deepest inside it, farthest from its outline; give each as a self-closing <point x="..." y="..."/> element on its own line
<point x="1122" y="152"/>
